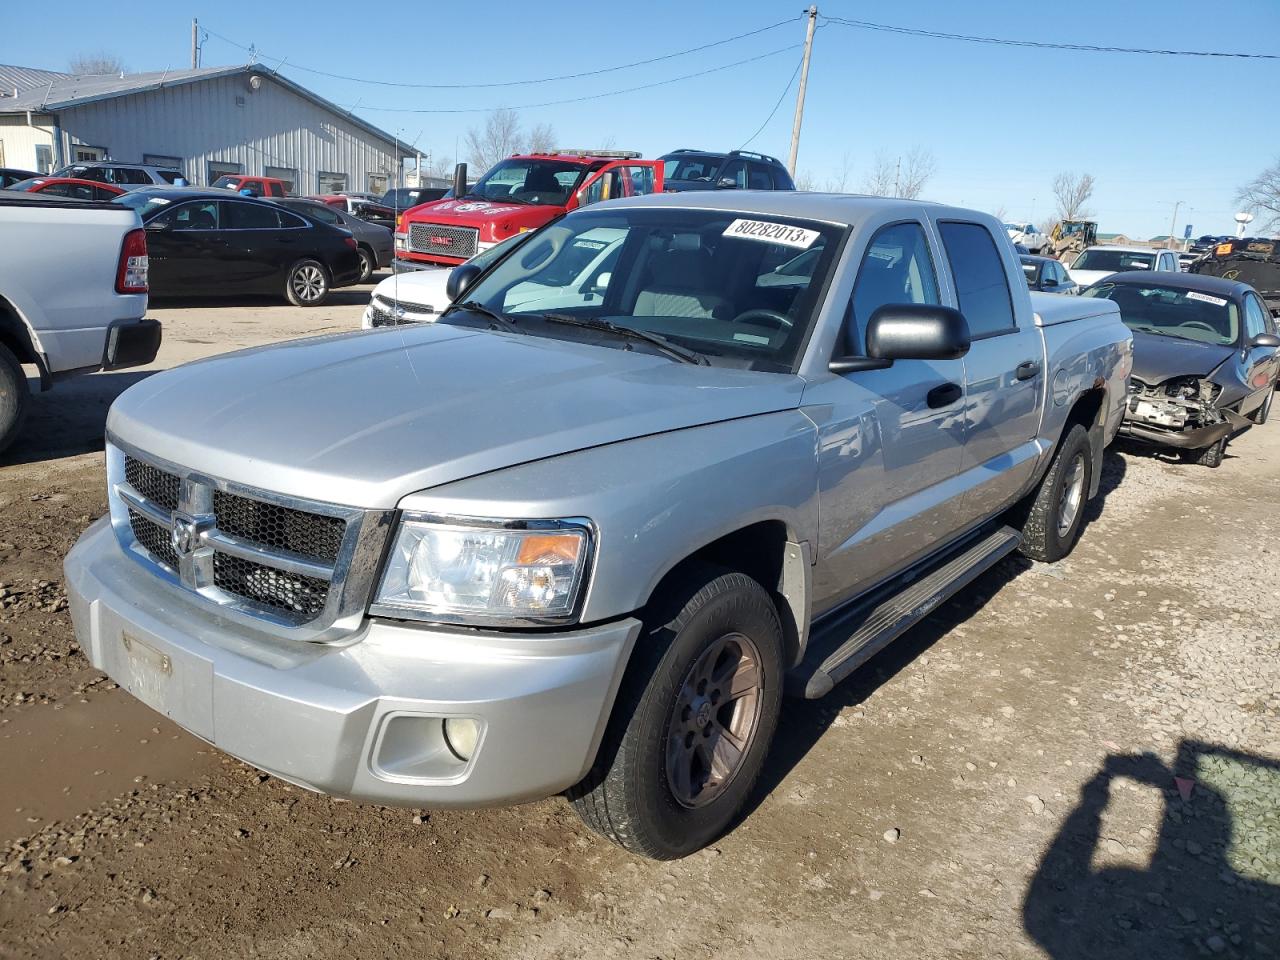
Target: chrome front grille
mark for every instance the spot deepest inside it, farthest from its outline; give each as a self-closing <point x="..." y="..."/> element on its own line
<point x="287" y="565"/>
<point x="444" y="241"/>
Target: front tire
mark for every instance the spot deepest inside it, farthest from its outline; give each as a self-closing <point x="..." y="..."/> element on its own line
<point x="693" y="721"/>
<point x="14" y="397"/>
<point x="1263" y="412"/>
<point x="307" y="284"/>
<point x="1054" y="515"/>
<point x="1212" y="455"/>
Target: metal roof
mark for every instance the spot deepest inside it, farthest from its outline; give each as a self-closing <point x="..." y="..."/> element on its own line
<point x="67" y="91"/>
<point x="24" y="78"/>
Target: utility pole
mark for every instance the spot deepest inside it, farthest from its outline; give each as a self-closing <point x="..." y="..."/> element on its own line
<point x="195" y="44"/>
<point x="804" y="82"/>
<point x="1173" y="226"/>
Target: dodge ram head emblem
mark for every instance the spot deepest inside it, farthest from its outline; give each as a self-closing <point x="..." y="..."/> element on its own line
<point x="186" y="534"/>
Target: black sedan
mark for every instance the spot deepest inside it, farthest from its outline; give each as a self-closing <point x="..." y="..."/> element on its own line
<point x="203" y="242"/>
<point x="1047" y="275"/>
<point x="1205" y="359"/>
<point x="11" y="175"/>
<point x="374" y="243"/>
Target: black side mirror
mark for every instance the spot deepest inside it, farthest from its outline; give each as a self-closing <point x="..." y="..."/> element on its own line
<point x="1265" y="340"/>
<point x="909" y="331"/>
<point x="1047" y="283"/>
<point x="460" y="278"/>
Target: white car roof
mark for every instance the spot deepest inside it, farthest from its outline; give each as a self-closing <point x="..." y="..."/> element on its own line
<point x="840" y="208"/>
<point x="1122" y="248"/>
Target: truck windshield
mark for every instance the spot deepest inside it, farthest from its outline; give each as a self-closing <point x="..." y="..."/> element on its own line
<point x="1113" y="261"/>
<point x="1173" y="311"/>
<point x="530" y="181"/>
<point x="740" y="289"/>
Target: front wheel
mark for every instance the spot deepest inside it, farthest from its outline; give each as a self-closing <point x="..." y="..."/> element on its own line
<point x="1260" y="415"/>
<point x="307" y="284"/>
<point x="1212" y="455"/>
<point x="692" y="722"/>
<point x="1054" y="514"/>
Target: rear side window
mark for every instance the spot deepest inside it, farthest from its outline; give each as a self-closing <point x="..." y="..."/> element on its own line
<point x="252" y="216"/>
<point x="291" y="220"/>
<point x="324" y="215"/>
<point x="978" y="273"/>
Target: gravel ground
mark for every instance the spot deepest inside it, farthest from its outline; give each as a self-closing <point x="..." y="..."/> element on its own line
<point x="1076" y="760"/>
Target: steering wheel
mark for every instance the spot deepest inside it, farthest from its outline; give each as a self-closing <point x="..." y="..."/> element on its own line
<point x="778" y="319"/>
<point x="1199" y="323"/>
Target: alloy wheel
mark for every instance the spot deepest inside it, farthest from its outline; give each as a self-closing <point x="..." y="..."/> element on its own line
<point x="308" y="283"/>
<point x="1072" y="495"/>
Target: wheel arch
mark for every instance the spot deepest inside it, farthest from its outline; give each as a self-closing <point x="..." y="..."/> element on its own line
<point x="1089" y="411"/>
<point x="17" y="336"/>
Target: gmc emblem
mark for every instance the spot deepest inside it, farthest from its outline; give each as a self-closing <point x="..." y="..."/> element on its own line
<point x="442" y="241"/>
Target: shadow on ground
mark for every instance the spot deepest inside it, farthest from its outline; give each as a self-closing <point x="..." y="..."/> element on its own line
<point x="804" y="722"/>
<point x="342" y="297"/>
<point x="71" y="418"/>
<point x="1211" y="886"/>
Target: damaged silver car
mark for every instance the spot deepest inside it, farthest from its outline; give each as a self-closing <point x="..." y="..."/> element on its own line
<point x="1205" y="359"/>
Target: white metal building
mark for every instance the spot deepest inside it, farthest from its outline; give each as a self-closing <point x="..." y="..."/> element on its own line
<point x="208" y="122"/>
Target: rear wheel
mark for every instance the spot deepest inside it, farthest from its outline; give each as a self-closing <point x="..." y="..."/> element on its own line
<point x="307" y="284"/>
<point x="14" y="397"/>
<point x="367" y="265"/>
<point x="692" y="722"/>
<point x="1054" y="514"/>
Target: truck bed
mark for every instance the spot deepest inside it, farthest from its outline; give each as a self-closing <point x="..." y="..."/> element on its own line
<point x="1051" y="309"/>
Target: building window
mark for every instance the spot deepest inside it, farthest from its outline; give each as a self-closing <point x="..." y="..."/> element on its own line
<point x="376" y="183"/>
<point x="332" y="182"/>
<point x="160" y="160"/>
<point x="288" y="174"/>
<point x="81" y="153"/>
<point x="44" y="158"/>
<point x="222" y="168"/>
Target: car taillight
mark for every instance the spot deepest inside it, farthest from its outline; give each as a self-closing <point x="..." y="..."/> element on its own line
<point x="131" y="274"/>
<point x="350" y="242"/>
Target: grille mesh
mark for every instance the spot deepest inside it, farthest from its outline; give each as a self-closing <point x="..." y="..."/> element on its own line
<point x="443" y="241"/>
<point x="381" y="318"/>
<point x="156" y="485"/>
<point x="154" y="538"/>
<point x="302" y="597"/>
<point x="280" y="528"/>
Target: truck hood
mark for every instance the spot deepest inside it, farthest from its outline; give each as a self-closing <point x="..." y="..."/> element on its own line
<point x="478" y="213"/>
<point x="364" y="419"/>
<point x="1157" y="359"/>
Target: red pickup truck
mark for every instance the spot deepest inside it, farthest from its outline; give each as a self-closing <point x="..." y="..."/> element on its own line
<point x="258" y="186"/>
<point x="520" y="193"/>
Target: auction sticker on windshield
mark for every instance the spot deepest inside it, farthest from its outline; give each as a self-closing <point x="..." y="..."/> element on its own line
<point x="782" y="233"/>
<point x="1205" y="298"/>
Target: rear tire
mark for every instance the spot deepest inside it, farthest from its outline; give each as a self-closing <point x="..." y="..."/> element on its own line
<point x="307" y="284"/>
<point x="367" y="265"/>
<point x="14" y="397"/>
<point x="1053" y="515"/>
<point x="692" y="722"/>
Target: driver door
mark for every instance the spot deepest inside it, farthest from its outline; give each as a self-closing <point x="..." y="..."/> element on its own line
<point x="621" y="178"/>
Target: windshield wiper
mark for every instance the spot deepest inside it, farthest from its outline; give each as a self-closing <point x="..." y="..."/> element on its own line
<point x="674" y="350"/>
<point x="496" y="320"/>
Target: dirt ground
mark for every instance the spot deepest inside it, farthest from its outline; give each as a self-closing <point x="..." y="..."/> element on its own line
<point x="1067" y="761"/>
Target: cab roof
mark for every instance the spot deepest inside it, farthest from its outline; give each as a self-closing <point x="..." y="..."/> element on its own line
<point x="842" y="208"/>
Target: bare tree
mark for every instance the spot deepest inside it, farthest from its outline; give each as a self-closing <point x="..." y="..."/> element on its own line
<point x="1046" y="225"/>
<point x="901" y="175"/>
<point x="838" y="182"/>
<point x="1001" y="213"/>
<point x="1073" y="192"/>
<point x="542" y="138"/>
<point x="94" y="64"/>
<point x="1261" y="195"/>
<point x="500" y="137"/>
<point x="804" y="180"/>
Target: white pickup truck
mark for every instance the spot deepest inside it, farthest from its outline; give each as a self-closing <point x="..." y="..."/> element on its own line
<point x="73" y="291"/>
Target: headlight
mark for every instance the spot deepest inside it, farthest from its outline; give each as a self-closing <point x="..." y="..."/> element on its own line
<point x="485" y="571"/>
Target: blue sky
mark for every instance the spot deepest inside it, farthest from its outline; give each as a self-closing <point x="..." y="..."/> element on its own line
<point x="999" y="121"/>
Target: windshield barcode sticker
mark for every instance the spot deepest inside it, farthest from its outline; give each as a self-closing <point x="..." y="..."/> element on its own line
<point x="1197" y="295"/>
<point x="782" y="233"/>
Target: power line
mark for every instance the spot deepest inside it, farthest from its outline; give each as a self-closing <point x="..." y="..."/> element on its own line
<point x="781" y="97"/>
<point x="510" y="83"/>
<point x="593" y="96"/>
<point x="1041" y="44"/>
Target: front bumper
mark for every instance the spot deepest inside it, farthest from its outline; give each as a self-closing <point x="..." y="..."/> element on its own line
<point x="1197" y="439"/>
<point x="362" y="719"/>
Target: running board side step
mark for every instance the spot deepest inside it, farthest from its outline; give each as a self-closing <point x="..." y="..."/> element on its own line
<point x="850" y="638"/>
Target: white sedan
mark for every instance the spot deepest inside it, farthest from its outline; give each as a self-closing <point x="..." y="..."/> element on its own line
<point x="419" y="296"/>
<point x="1102" y="261"/>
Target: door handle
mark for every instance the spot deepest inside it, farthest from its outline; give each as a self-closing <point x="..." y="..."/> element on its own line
<point x="1027" y="369"/>
<point x="944" y="395"/>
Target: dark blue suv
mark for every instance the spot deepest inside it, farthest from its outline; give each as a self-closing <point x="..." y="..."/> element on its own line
<point x="735" y="170"/>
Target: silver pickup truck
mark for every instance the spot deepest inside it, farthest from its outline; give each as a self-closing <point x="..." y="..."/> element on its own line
<point x="523" y="550"/>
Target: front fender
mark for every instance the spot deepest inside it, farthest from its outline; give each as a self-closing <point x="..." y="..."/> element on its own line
<point x="655" y="500"/>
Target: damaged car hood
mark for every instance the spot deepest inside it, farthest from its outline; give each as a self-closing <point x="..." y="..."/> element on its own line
<point x="364" y="419"/>
<point x="1157" y="359"/>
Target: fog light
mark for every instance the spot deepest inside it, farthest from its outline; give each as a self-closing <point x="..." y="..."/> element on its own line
<point x="460" y="736"/>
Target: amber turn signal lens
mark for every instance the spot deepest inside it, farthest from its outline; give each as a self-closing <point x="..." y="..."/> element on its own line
<point x="550" y="548"/>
